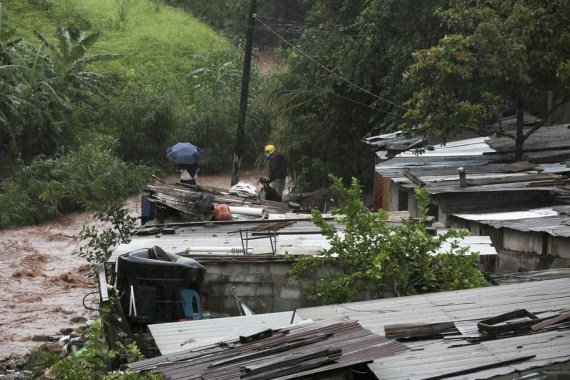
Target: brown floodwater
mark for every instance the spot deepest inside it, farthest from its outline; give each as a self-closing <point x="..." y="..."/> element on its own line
<point x="43" y="285"/>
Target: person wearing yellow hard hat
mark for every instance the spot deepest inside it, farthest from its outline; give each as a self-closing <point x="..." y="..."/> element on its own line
<point x="277" y="168"/>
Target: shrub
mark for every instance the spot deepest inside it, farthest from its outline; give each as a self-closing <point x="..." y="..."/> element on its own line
<point x="99" y="244"/>
<point x="373" y="256"/>
<point x="88" y="177"/>
<point x="92" y="362"/>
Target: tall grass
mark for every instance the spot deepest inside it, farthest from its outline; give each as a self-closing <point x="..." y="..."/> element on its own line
<point x="156" y="47"/>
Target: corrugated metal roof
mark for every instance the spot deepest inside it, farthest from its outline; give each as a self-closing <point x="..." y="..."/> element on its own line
<point x="462" y="148"/>
<point x="514" y="215"/>
<point x="552" y="225"/>
<point x="180" y="336"/>
<point x="285" y="353"/>
<point x="540" y="183"/>
<point x="546" y="219"/>
<point x="219" y="238"/>
<point x="301" y="237"/>
<point x="437" y="168"/>
<point x="442" y="357"/>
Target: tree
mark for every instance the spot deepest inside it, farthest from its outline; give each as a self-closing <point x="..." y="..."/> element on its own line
<point x="68" y="62"/>
<point x="374" y="256"/>
<point x="43" y="89"/>
<point x="500" y="57"/>
<point x="344" y="82"/>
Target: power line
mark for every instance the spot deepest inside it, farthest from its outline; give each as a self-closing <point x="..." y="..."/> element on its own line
<point x="289" y="26"/>
<point x="338" y="95"/>
<point x="327" y="69"/>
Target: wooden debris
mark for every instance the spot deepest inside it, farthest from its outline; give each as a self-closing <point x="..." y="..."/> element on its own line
<point x="517" y="167"/>
<point x="416" y="180"/>
<point x="533" y="178"/>
<point x="291" y="352"/>
<point x="551" y="321"/>
<point x="414" y="330"/>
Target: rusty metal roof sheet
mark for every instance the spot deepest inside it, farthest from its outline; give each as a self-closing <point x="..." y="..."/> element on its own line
<point x="443" y="357"/>
<point x="285" y="353"/>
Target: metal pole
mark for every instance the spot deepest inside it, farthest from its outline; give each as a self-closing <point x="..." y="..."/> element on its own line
<point x="238" y="151"/>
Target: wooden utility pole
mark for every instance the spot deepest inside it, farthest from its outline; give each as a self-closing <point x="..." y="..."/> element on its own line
<point x="238" y="150"/>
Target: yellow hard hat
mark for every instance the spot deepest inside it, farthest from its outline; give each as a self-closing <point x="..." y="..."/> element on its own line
<point x="269" y="149"/>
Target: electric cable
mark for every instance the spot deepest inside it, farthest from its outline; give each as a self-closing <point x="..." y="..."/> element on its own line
<point x="327" y="69"/>
<point x="301" y="79"/>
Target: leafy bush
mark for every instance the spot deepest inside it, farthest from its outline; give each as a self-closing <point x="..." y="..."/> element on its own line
<point x="144" y="124"/>
<point x="374" y="256"/>
<point x="91" y="362"/>
<point x="88" y="177"/>
<point x="99" y="244"/>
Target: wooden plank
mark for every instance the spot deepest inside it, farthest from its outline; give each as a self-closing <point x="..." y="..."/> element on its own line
<point x="515" y="179"/>
<point x="416" y="180"/>
<point x="414" y="330"/>
<point x="551" y="321"/>
<point x="517" y="167"/>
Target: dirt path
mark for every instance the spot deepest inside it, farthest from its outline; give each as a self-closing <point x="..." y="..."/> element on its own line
<point x="43" y="284"/>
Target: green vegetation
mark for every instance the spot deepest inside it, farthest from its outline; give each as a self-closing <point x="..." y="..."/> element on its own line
<point x="343" y="83"/>
<point x="177" y="79"/>
<point x="173" y="78"/>
<point x="98" y="245"/>
<point x="373" y="257"/>
<point x="502" y="57"/>
<point x="130" y="78"/>
<point x="88" y="177"/>
<point x="91" y="362"/>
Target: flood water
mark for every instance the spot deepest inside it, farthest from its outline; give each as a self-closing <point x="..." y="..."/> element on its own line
<point x="43" y="284"/>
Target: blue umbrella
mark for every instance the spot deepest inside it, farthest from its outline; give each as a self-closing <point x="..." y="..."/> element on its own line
<point x="184" y="154"/>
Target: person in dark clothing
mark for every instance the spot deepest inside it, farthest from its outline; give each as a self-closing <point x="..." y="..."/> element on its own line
<point x="277" y="168"/>
<point x="188" y="173"/>
<point x="267" y="192"/>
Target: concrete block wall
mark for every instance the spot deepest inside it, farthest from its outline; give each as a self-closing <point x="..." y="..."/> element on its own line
<point x="262" y="285"/>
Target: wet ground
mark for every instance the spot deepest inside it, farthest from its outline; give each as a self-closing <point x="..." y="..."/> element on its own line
<point x="43" y="285"/>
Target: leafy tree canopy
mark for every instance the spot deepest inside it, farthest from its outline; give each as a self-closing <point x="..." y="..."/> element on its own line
<point x="343" y="82"/>
<point x="375" y="257"/>
<point x="500" y="57"/>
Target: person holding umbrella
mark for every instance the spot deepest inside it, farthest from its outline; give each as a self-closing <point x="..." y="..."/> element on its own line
<point x="187" y="156"/>
<point x="188" y="173"/>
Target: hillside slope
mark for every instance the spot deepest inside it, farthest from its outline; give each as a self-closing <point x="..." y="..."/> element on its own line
<point x="158" y="44"/>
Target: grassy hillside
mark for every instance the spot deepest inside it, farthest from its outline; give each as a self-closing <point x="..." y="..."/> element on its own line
<point x="176" y="80"/>
<point x="157" y="43"/>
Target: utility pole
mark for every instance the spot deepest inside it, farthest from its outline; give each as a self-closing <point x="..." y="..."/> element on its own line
<point x="238" y="150"/>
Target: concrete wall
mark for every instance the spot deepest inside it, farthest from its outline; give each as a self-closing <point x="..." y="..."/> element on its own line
<point x="262" y="285"/>
<point x="527" y="242"/>
<point x="393" y="197"/>
<point x="559" y="246"/>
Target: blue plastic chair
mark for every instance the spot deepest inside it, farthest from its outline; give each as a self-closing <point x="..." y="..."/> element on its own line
<point x="191" y="304"/>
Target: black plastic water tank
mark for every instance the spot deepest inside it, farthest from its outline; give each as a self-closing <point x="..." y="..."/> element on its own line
<point x="156" y="278"/>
